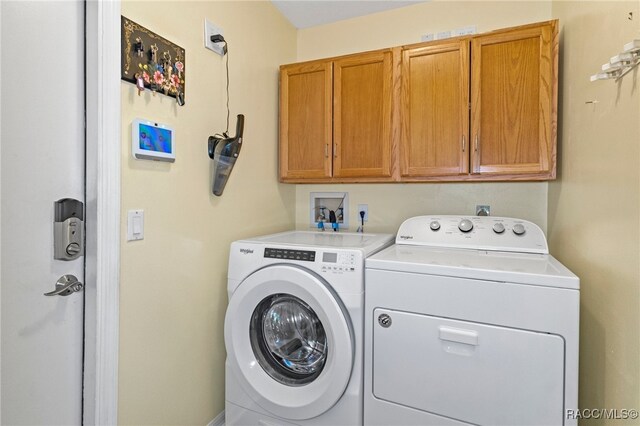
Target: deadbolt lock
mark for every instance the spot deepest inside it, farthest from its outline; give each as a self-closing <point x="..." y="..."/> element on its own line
<point x="68" y="229"/>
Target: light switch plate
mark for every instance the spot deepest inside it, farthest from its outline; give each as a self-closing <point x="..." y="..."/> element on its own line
<point x="135" y="225"/>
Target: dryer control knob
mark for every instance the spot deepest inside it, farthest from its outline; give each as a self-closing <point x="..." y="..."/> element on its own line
<point x="465" y="225"/>
<point x="498" y="228"/>
<point x="518" y="229"/>
<point x="434" y="225"/>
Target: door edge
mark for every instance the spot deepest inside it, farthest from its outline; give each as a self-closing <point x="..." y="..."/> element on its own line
<point x="102" y="267"/>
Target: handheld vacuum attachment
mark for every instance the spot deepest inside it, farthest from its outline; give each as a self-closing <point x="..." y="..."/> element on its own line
<point x="224" y="152"/>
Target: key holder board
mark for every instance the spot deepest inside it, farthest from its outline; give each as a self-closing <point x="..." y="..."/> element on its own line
<point x="152" y="62"/>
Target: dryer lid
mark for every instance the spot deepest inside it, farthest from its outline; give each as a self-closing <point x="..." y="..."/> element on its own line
<point x="520" y="268"/>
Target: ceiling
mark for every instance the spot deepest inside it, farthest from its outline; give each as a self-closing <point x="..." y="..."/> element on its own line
<point x="309" y="13"/>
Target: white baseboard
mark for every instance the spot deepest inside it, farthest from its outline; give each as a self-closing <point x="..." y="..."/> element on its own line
<point x="218" y="421"/>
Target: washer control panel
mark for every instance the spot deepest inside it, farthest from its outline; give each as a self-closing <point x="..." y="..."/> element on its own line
<point x="328" y="261"/>
<point x="473" y="232"/>
<point x="277" y="253"/>
<point x="338" y="261"/>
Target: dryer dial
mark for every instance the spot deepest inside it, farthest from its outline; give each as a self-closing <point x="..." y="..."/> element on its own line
<point x="519" y="229"/>
<point x="498" y="228"/>
<point x="465" y="225"/>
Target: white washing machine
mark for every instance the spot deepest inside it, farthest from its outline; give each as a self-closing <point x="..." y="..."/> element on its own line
<point x="469" y="320"/>
<point x="294" y="328"/>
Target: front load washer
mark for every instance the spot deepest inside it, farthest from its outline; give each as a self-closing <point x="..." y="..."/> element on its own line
<point x="294" y="328"/>
<point x="469" y="320"/>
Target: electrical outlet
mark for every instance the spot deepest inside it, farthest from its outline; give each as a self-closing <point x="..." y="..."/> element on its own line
<point x="363" y="208"/>
<point x="211" y="29"/>
<point x="471" y="29"/>
<point x="443" y="34"/>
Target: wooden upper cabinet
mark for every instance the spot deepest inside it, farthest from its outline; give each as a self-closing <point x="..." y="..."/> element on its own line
<point x="305" y="120"/>
<point x="435" y="110"/>
<point x="514" y="97"/>
<point x="362" y="115"/>
<point x="478" y="108"/>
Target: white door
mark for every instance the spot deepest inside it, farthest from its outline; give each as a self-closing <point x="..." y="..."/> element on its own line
<point x="42" y="160"/>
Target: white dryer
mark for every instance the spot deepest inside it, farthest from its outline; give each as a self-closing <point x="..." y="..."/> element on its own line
<point x="469" y="320"/>
<point x="294" y="328"/>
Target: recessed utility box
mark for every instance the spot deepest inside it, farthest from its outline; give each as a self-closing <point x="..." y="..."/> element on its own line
<point x="321" y="203"/>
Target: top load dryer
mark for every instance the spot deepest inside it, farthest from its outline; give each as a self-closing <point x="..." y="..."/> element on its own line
<point x="294" y="328"/>
<point x="470" y="320"/>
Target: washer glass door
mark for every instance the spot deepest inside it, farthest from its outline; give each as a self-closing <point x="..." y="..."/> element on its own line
<point x="288" y="339"/>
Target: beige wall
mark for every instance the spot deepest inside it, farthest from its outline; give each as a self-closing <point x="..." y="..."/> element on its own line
<point x="406" y="25"/>
<point x="390" y="204"/>
<point x="591" y="213"/>
<point x="173" y="283"/>
<point x="173" y="294"/>
<point x="594" y="207"/>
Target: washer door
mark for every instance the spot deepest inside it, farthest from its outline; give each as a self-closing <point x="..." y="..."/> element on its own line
<point x="289" y="342"/>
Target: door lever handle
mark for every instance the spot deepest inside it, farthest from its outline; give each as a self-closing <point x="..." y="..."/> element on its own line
<point x="66" y="285"/>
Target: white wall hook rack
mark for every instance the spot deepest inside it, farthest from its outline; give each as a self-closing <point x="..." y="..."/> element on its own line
<point x="621" y="64"/>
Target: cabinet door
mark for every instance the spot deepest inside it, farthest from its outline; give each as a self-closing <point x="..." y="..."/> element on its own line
<point x="514" y="97"/>
<point x="362" y="115"/>
<point x="305" y="121"/>
<point x="435" y="110"/>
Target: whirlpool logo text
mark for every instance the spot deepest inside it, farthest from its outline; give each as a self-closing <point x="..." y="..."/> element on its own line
<point x="246" y="251"/>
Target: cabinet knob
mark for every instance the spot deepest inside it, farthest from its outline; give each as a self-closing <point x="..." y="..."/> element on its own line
<point x="464" y="142"/>
<point x="476" y="149"/>
<point x="326" y="150"/>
